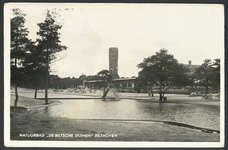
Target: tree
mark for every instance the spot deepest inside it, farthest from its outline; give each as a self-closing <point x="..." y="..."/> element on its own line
<point x="63" y="83"/>
<point x="140" y="84"/>
<point x="208" y="74"/>
<point x="35" y="65"/>
<point x="216" y="70"/>
<point x="93" y="77"/>
<point x="162" y="69"/>
<point x="50" y="43"/>
<point x="106" y="77"/>
<point x="18" y="41"/>
<point x="55" y="81"/>
<point x="83" y="79"/>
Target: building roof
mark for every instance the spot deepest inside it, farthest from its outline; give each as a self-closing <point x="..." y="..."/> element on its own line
<point x="193" y="67"/>
<point x="94" y="81"/>
<point x="120" y="79"/>
<point x="124" y="79"/>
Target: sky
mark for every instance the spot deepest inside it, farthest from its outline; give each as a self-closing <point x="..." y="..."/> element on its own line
<point x="188" y="31"/>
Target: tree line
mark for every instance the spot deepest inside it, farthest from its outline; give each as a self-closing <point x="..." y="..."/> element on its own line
<point x="64" y="83"/>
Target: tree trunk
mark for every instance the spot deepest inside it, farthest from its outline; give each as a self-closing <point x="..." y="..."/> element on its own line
<point x="35" y="92"/>
<point x="47" y="76"/>
<point x="46" y="88"/>
<point x="152" y="92"/>
<point x="160" y="97"/>
<point x="206" y="86"/>
<point x="160" y="93"/>
<point x="16" y="94"/>
<point x="103" y="91"/>
<point x="206" y="89"/>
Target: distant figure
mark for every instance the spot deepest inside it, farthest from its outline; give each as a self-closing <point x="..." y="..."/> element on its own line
<point x="218" y="95"/>
<point x="150" y="93"/>
<point x="207" y="96"/>
<point x="191" y="94"/>
<point x="55" y="90"/>
<point x="199" y="94"/>
<point x="210" y="95"/>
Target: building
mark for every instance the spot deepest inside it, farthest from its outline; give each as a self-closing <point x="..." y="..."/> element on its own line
<point x="191" y="67"/>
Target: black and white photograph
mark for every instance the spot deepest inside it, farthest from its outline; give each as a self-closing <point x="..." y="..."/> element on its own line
<point x="114" y="75"/>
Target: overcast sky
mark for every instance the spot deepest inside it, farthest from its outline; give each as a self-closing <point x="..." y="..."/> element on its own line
<point x="187" y="31"/>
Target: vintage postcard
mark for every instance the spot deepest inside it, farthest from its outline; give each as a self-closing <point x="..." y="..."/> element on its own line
<point x="113" y="75"/>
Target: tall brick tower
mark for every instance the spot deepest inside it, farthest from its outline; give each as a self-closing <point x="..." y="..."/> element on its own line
<point x="113" y="62"/>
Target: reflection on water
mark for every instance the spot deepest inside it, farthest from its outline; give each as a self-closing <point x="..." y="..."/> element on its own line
<point x="206" y="116"/>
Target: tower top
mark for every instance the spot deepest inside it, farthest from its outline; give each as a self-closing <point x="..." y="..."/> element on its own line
<point x="113" y="49"/>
